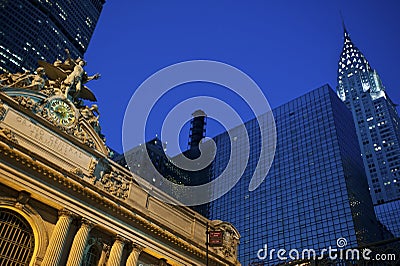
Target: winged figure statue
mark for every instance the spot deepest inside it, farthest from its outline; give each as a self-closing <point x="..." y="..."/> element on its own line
<point x="70" y="77"/>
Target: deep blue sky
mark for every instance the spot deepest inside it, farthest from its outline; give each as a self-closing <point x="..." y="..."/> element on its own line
<point x="287" y="47"/>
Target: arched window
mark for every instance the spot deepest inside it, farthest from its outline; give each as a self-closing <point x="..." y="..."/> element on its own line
<point x="17" y="241"/>
<point x="92" y="253"/>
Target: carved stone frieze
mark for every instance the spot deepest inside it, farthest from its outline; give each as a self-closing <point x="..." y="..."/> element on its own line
<point x="28" y="103"/>
<point x="115" y="183"/>
<point x="84" y="137"/>
<point x="8" y="134"/>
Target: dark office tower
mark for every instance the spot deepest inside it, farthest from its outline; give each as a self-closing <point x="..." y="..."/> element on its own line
<point x="32" y="30"/>
<point x="316" y="190"/>
<point x="135" y="159"/>
<point x="378" y="129"/>
<point x="197" y="132"/>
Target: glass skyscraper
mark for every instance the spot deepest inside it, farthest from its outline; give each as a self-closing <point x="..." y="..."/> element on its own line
<point x="378" y="129"/>
<point x="316" y="190"/>
<point x="32" y="30"/>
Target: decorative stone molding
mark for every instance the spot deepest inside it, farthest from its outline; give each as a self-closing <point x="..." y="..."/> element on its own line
<point x="28" y="103"/>
<point x="122" y="239"/>
<point x="8" y="134"/>
<point x="77" y="171"/>
<point x="84" y="137"/>
<point x="115" y="183"/>
<point x="22" y="199"/>
<point x="68" y="213"/>
<point x="3" y="111"/>
<point x="92" y="167"/>
<point x="137" y="248"/>
<point x="230" y="240"/>
<point x="87" y="223"/>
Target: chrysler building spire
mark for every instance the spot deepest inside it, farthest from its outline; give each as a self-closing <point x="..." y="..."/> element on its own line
<point x="377" y="126"/>
<point x="353" y="62"/>
<point x="351" y="58"/>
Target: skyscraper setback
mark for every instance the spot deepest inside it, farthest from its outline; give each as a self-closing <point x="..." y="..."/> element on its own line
<point x="378" y="129"/>
<point x="32" y="30"/>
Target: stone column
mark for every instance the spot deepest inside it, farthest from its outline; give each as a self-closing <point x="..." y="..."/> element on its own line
<point x="134" y="255"/>
<point x="57" y="239"/>
<point x="78" y="245"/>
<point x="116" y="251"/>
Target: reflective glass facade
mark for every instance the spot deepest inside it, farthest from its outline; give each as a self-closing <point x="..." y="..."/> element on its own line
<point x="32" y="30"/>
<point x="377" y="125"/>
<point x="316" y="189"/>
<point x="388" y="214"/>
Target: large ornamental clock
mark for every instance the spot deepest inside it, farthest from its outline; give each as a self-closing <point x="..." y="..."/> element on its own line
<point x="62" y="111"/>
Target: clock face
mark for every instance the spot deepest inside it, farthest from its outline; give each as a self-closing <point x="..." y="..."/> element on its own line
<point x="62" y="112"/>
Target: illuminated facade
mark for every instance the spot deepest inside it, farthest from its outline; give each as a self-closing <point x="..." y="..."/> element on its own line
<point x="378" y="129"/>
<point x="63" y="201"/>
<point x="315" y="191"/>
<point x="32" y="30"/>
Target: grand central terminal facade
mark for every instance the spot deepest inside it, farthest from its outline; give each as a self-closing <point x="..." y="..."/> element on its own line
<point x="63" y="201"/>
